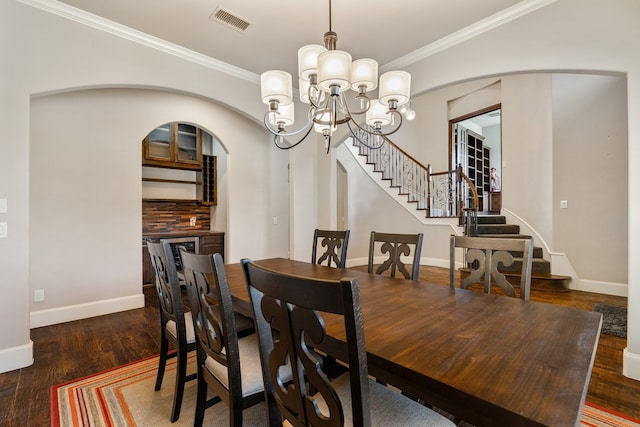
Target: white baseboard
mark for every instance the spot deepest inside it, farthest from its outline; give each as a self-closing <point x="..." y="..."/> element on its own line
<point x="16" y="357"/>
<point x="598" y="287"/>
<point x="83" y="311"/>
<point x="631" y="365"/>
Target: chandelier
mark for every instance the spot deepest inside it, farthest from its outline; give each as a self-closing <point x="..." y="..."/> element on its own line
<point x="325" y="77"/>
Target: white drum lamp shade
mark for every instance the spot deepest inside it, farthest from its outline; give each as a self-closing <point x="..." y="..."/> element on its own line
<point x="377" y="114"/>
<point x="395" y="86"/>
<point x="284" y="115"/>
<point x="334" y="69"/>
<point x="364" y="72"/>
<point x="276" y="86"/>
<point x="308" y="60"/>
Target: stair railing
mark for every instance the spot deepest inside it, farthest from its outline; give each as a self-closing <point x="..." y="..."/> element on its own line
<point x="441" y="194"/>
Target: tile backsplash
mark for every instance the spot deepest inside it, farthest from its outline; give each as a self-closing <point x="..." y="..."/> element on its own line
<point x="167" y="216"/>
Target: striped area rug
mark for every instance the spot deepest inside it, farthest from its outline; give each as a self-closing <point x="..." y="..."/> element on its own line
<point x="124" y="396"/>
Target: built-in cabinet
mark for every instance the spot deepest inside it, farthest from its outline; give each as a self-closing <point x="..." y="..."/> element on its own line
<point x="478" y="168"/>
<point x="212" y="243"/>
<point x="208" y="243"/>
<point x="207" y="181"/>
<point x="174" y="145"/>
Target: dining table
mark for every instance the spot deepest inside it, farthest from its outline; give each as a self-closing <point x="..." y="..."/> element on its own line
<point x="490" y="360"/>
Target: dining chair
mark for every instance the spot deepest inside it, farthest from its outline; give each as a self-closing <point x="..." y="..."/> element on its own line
<point x="226" y="363"/>
<point x="244" y="324"/>
<point x="287" y="312"/>
<point x="396" y="246"/>
<point x="176" y="326"/>
<point x="335" y="243"/>
<point x="485" y="255"/>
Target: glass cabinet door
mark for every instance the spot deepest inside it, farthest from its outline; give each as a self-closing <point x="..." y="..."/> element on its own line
<point x="159" y="143"/>
<point x="187" y="144"/>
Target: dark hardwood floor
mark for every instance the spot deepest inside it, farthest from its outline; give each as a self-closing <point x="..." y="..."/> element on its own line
<point x="68" y="351"/>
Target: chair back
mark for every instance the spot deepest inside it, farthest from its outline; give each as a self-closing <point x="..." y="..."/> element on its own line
<point x="213" y="318"/>
<point x="167" y="285"/>
<point x="485" y="255"/>
<point x="396" y="246"/>
<point x="335" y="244"/>
<point x="292" y="305"/>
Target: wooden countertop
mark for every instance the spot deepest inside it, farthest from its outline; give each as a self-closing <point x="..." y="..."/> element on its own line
<point x="181" y="233"/>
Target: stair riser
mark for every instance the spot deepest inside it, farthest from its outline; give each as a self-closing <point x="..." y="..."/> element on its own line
<point x="492" y="219"/>
<point x="537" y="253"/>
<point x="498" y="229"/>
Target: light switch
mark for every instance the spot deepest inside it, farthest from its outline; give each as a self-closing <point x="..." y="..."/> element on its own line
<point x="3" y="230"/>
<point x="563" y="204"/>
<point x="3" y="206"/>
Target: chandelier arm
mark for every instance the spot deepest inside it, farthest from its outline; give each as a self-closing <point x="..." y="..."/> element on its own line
<point x="284" y="134"/>
<point x="282" y="147"/>
<point x="345" y="106"/>
<point x="399" y="114"/>
<point x="320" y="100"/>
<point x="355" y="135"/>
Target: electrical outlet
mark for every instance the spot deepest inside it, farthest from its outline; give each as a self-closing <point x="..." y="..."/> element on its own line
<point x="192" y="221"/>
<point x="38" y="295"/>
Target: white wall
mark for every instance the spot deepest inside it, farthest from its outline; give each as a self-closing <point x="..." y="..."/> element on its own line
<point x="590" y="172"/>
<point x="372" y="209"/>
<point x="85" y="191"/>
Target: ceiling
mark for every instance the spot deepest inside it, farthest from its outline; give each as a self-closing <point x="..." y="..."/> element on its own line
<point x="375" y="29"/>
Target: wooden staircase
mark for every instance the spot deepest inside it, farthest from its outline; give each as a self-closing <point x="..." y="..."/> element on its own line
<point x="434" y="194"/>
<point x="541" y="277"/>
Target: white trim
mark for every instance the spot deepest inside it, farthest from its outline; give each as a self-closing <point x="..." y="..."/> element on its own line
<point x="631" y="365"/>
<point x="529" y="230"/>
<point x="82" y="17"/>
<point x="561" y="265"/>
<point x="467" y="33"/>
<point x="94" y="21"/>
<point x="83" y="311"/>
<point x="598" y="287"/>
<point x="16" y="357"/>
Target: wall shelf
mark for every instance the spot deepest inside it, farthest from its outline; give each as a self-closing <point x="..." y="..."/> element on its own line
<point x="173" y="181"/>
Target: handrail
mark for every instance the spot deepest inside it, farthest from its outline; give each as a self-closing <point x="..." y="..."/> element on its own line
<point x="470" y="217"/>
<point x="440" y="194"/>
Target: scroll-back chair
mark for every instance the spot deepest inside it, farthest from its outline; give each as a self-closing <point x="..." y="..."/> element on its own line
<point x="335" y="244"/>
<point x="226" y="363"/>
<point x="396" y="246"/>
<point x="485" y="255"/>
<point x="292" y="306"/>
<point x="176" y="326"/>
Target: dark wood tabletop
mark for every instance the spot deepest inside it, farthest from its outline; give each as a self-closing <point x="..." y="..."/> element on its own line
<point x="488" y="359"/>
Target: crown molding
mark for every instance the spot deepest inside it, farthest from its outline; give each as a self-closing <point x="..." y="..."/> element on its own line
<point x="473" y="30"/>
<point x="102" y="24"/>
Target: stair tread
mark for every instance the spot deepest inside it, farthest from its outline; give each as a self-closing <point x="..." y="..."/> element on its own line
<point x="534" y="275"/>
<point x="514" y="236"/>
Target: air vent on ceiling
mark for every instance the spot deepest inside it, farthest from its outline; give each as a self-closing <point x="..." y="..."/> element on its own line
<point x="230" y="19"/>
